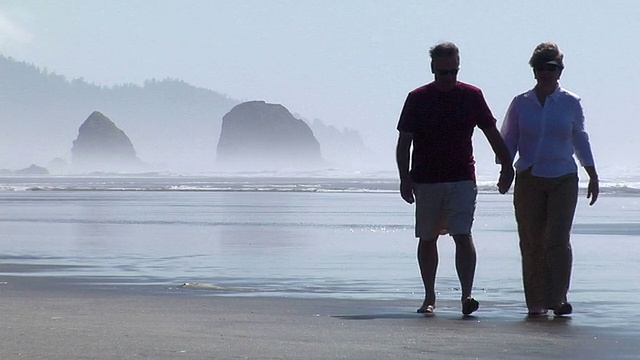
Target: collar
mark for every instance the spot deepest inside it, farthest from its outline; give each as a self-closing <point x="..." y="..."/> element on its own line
<point x="554" y="95"/>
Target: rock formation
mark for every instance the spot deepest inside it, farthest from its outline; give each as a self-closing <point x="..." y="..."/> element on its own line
<point x="102" y="146"/>
<point x="33" y="170"/>
<point x="343" y="148"/>
<point x="260" y="136"/>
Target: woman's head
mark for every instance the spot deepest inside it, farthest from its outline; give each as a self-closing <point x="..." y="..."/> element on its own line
<point x="547" y="53"/>
<point x="547" y="63"/>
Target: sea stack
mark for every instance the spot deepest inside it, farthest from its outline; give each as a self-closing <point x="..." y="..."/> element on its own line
<point x="260" y="136"/>
<point x="102" y="146"/>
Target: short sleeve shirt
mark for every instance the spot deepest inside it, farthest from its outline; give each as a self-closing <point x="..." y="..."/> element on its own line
<point x="442" y="124"/>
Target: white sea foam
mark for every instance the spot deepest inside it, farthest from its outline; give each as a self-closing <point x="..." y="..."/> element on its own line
<point x="385" y="182"/>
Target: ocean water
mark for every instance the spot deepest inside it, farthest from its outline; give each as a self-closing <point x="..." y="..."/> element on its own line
<point x="264" y="235"/>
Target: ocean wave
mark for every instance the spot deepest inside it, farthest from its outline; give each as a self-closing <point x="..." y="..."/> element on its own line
<point x="371" y="227"/>
<point x="236" y="183"/>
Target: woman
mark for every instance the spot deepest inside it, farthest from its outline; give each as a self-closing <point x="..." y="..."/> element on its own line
<point x="545" y="125"/>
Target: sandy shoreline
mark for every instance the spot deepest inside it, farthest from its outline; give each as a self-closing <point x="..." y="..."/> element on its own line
<point x="45" y="318"/>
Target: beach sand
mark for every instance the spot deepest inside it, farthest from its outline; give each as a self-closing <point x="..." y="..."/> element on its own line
<point x="50" y="318"/>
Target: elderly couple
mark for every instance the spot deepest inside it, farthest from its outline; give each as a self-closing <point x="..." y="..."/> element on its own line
<point x="544" y="125"/>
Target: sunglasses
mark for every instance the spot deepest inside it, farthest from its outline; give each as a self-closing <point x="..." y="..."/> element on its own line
<point x="448" y="71"/>
<point x="547" y="67"/>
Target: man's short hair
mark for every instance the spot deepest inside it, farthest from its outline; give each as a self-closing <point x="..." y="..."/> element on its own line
<point x="547" y="52"/>
<point x="445" y="49"/>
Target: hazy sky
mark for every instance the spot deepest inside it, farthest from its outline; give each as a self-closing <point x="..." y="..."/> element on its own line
<point x="348" y="63"/>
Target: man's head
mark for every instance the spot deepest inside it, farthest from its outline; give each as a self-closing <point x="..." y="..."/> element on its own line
<point x="445" y="63"/>
<point x="547" y="61"/>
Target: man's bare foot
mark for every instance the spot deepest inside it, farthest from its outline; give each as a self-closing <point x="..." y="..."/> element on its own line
<point x="537" y="311"/>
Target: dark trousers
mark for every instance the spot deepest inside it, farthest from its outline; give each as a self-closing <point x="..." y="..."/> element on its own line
<point x="544" y="209"/>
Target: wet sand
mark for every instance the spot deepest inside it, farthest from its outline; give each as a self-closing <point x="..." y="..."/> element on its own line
<point x="48" y="318"/>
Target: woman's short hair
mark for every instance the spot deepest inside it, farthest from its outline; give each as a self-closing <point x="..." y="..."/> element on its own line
<point x="547" y="52"/>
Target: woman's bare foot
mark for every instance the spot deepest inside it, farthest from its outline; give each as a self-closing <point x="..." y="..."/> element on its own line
<point x="563" y="309"/>
<point x="469" y="305"/>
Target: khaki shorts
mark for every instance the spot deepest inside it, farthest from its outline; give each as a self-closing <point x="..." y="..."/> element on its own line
<point x="443" y="208"/>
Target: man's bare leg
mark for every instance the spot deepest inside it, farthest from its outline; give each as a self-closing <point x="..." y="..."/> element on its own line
<point x="428" y="262"/>
<point x="466" y="268"/>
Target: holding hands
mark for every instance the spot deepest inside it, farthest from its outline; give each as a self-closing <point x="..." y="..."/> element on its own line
<point x="506" y="179"/>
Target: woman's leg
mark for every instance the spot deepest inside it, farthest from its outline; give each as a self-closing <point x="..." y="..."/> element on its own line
<point x="530" y="204"/>
<point x="561" y="210"/>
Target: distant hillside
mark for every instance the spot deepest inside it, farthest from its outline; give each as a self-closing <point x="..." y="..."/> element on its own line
<point x="174" y="126"/>
<point x="171" y="123"/>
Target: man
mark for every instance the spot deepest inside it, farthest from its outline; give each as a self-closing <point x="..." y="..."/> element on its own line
<point x="438" y="120"/>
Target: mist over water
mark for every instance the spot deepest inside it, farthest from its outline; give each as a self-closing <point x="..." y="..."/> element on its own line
<point x="354" y="74"/>
<point x="173" y="127"/>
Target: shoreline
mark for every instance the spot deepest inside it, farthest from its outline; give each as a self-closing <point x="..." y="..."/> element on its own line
<point x="69" y="319"/>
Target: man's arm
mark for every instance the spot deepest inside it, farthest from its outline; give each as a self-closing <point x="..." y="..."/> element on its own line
<point x="403" y="157"/>
<point x="502" y="153"/>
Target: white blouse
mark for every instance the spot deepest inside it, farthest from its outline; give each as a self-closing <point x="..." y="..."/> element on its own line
<point x="546" y="137"/>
